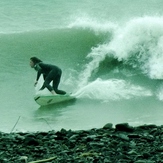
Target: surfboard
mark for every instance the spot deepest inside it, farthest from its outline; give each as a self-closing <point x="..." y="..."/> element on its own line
<point x="44" y="100"/>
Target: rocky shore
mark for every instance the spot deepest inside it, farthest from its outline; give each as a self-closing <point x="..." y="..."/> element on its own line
<point x="120" y="144"/>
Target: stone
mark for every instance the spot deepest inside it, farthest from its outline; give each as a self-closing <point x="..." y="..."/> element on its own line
<point x="124" y="127"/>
<point x="132" y="152"/>
<point x="108" y="126"/>
<point x="123" y="137"/>
<point x="121" y="144"/>
<point x="31" y="141"/>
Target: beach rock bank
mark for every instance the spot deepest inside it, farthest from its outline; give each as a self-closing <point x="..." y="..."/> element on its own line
<point x="120" y="144"/>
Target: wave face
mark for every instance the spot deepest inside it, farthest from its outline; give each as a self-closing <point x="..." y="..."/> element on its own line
<point x="111" y="55"/>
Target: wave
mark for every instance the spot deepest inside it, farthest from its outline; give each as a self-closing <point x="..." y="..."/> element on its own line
<point x="86" y="46"/>
<point x="138" y="43"/>
<point x="133" y="49"/>
<point x="92" y="24"/>
<point x="67" y="46"/>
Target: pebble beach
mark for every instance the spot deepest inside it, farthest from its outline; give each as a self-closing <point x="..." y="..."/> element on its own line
<point x="120" y="144"/>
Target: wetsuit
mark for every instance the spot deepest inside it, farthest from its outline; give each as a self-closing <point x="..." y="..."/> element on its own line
<point x="50" y="73"/>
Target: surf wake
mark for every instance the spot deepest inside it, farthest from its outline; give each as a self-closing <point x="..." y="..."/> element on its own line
<point x="112" y="89"/>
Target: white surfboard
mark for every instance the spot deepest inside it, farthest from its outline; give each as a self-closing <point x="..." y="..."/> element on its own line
<point x="44" y="100"/>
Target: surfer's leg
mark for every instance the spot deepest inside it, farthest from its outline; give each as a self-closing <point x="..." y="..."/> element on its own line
<point x="47" y="81"/>
<point x="47" y="85"/>
<point x="56" y="82"/>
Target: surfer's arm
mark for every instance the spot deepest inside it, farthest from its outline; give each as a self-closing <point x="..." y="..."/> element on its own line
<point x="48" y="86"/>
<point x="38" y="76"/>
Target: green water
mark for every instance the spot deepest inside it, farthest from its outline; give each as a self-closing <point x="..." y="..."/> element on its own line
<point x="110" y="53"/>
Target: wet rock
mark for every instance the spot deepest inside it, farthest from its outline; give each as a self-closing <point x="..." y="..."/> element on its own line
<point x="147" y="127"/>
<point x="134" y="136"/>
<point x="124" y="143"/>
<point x="108" y="126"/>
<point x="160" y="149"/>
<point x="132" y="152"/>
<point x="123" y="137"/>
<point x="31" y="141"/>
<point x="124" y="127"/>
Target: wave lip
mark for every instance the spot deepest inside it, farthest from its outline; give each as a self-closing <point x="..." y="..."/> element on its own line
<point x="137" y="43"/>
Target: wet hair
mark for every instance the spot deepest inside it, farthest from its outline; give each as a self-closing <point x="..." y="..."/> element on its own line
<point x="35" y="60"/>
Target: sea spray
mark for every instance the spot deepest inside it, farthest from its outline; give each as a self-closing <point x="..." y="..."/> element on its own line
<point x="97" y="55"/>
<point x="92" y="24"/>
<point x="137" y="43"/>
<point x="112" y="89"/>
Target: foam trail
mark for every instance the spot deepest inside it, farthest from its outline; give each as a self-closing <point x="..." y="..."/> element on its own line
<point x="112" y="90"/>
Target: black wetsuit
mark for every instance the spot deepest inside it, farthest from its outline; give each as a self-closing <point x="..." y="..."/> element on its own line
<point x="50" y="73"/>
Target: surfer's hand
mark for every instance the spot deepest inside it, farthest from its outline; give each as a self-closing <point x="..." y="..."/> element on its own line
<point x="35" y="83"/>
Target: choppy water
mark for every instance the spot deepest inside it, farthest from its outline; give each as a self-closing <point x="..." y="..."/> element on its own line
<point x="111" y="54"/>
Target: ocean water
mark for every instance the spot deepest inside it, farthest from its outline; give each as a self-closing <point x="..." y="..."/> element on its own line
<point x="110" y="52"/>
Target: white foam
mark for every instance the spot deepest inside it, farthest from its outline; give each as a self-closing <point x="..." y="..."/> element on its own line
<point x="85" y="22"/>
<point x="159" y="93"/>
<point x="137" y="43"/>
<point x="141" y="38"/>
<point x="112" y="89"/>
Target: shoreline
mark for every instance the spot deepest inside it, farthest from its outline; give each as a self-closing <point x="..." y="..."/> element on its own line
<point x="123" y="144"/>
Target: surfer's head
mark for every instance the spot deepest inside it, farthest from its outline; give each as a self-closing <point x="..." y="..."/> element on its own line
<point x="34" y="61"/>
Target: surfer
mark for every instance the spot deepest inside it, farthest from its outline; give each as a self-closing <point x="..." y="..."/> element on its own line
<point x="50" y="73"/>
